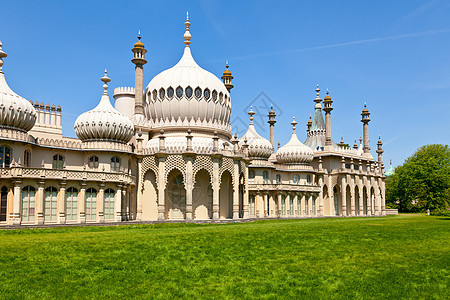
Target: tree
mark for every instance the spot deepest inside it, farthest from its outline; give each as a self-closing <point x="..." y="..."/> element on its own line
<point x="422" y="182"/>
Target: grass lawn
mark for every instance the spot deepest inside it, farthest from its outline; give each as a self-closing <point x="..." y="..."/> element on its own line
<point x="404" y="256"/>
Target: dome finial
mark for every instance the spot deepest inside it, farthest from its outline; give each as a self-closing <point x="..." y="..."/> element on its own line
<point x="187" y="34"/>
<point x="293" y="123"/>
<point x="2" y="55"/>
<point x="251" y="113"/>
<point x="139" y="34"/>
<point x="105" y="80"/>
<point x="317" y="100"/>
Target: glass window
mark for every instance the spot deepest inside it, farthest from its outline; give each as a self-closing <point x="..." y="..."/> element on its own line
<point x="71" y="204"/>
<point x="308" y="179"/>
<point x="291" y="205"/>
<point x="115" y="164"/>
<point x="51" y="201"/>
<point x="5" y="157"/>
<point x="307" y="205"/>
<point x="313" y="205"/>
<point x="214" y="96"/>
<point x="155" y="95"/>
<point x="265" y="177"/>
<point x="296" y="179"/>
<point x="109" y="204"/>
<point x="28" y="203"/>
<point x="93" y="161"/>
<point x="207" y="94"/>
<point x="251" y="175"/>
<point x="26" y="159"/>
<point x="91" y="204"/>
<point x="198" y="92"/>
<point x="278" y="177"/>
<point x="58" y="161"/>
<point x="189" y="92"/>
<point x="162" y="94"/>
<point x="3" y="204"/>
<point x="170" y="92"/>
<point x="179" y="92"/>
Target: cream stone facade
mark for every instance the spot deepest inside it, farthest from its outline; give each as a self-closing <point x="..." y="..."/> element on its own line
<point x="167" y="152"/>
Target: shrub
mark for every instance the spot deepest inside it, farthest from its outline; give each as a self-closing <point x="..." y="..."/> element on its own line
<point x="440" y="213"/>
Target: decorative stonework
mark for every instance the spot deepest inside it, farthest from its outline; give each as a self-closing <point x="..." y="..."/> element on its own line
<point x="202" y="162"/>
<point x="174" y="162"/>
<point x="148" y="163"/>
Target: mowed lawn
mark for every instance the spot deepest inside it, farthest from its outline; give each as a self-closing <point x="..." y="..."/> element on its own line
<point x="404" y="256"/>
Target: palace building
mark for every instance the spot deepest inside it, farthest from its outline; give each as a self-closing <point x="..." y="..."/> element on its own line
<point x="166" y="152"/>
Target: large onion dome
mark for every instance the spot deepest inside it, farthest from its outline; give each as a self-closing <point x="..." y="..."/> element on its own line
<point x="187" y="96"/>
<point x="104" y="122"/>
<point x="294" y="152"/>
<point x="258" y="147"/>
<point x="15" y="112"/>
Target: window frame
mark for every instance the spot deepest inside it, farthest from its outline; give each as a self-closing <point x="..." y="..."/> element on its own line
<point x="4" y="156"/>
<point x="58" y="162"/>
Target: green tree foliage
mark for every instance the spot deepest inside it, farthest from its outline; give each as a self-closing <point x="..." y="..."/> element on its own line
<point x="422" y="182"/>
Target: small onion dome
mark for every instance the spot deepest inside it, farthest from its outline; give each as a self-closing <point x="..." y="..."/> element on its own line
<point x="294" y="152"/>
<point x="104" y="122"/>
<point x="258" y="147"/>
<point x="15" y="112"/>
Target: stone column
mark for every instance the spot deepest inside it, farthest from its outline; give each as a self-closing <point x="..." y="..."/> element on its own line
<point x="161" y="189"/>
<point x="236" y="190"/>
<point x="321" y="196"/>
<point x="245" y="194"/>
<point x="361" y="200"/>
<point x="189" y="187"/>
<point x="344" y="196"/>
<point x="118" y="204"/>
<point x="82" y="203"/>
<point x="139" y="190"/>
<point x="383" y="197"/>
<point x="352" y="199"/>
<point x="17" y="207"/>
<point x="377" y="198"/>
<point x="40" y="204"/>
<point x="101" y="203"/>
<point x="216" y="189"/>
<point x="265" y="203"/>
<point x="303" y="204"/>
<point x="62" y="203"/>
<point x="279" y="205"/>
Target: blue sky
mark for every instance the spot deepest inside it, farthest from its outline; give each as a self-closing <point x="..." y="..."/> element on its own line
<point x="394" y="55"/>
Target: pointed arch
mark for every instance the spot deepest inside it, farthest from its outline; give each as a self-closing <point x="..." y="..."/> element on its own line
<point x="202" y="196"/>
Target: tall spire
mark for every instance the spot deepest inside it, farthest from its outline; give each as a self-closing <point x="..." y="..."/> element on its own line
<point x="187" y="34"/>
<point x="2" y="55"/>
<point x="227" y="77"/>
<point x="317" y="100"/>
<point x="139" y="61"/>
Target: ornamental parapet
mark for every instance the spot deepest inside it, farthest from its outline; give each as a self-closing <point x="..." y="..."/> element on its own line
<point x="49" y="174"/>
<point x="14" y="134"/>
<point x="285" y="187"/>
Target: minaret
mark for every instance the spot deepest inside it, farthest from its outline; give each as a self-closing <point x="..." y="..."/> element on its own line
<point x="309" y="124"/>
<point x="139" y="60"/>
<point x="272" y="122"/>
<point x="365" y="120"/>
<point x="355" y="145"/>
<point x="226" y="78"/>
<point x="380" y="152"/>
<point x="327" y="108"/>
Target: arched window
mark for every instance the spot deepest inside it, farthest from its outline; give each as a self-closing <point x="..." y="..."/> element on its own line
<point x="170" y="92"/>
<point x="71" y="204"/>
<point x="51" y="201"/>
<point x="162" y="94"/>
<point x="251" y="176"/>
<point x="214" y="95"/>
<point x="93" y="162"/>
<point x="115" y="164"/>
<point x="278" y="178"/>
<point x="26" y="159"/>
<point x="188" y="92"/>
<point x="5" y="157"/>
<point x="198" y="93"/>
<point x="179" y="92"/>
<point x="58" y="161"/>
<point x="109" y="204"/>
<point x="207" y="94"/>
<point x="91" y="204"/>
<point x="28" y="203"/>
<point x="296" y="179"/>
<point x="3" y="204"/>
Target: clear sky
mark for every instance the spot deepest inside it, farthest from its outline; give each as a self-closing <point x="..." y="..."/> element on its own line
<point x="394" y="55"/>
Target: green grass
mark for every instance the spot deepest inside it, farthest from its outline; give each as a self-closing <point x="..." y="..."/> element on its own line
<point x="404" y="256"/>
